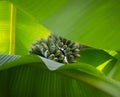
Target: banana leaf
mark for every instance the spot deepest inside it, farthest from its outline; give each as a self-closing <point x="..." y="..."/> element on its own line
<point x="30" y="75"/>
<point x="88" y="22"/>
<point x="94" y="23"/>
<point x="18" y="30"/>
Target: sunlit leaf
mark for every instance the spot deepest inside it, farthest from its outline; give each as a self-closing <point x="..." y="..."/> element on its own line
<point x="115" y="73"/>
<point x="18" y="30"/>
<point x="95" y="23"/>
<point x="4" y="27"/>
<point x="93" y="56"/>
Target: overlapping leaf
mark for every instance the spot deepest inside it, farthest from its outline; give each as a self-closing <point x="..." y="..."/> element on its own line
<point x="17" y="33"/>
<point x="95" y="23"/>
<point x="90" y="22"/>
<point x="28" y="76"/>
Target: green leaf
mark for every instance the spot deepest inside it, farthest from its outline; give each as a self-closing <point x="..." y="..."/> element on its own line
<point x="40" y="10"/>
<point x="100" y="59"/>
<point x="111" y="64"/>
<point x="27" y="31"/>
<point x="89" y="22"/>
<point x="29" y="76"/>
<point x="4" y="27"/>
<point x="115" y="72"/>
<point x="95" y="23"/>
<point x="93" y="56"/>
<point x="18" y="30"/>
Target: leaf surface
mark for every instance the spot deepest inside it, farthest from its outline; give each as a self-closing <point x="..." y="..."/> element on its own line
<point x="29" y="75"/>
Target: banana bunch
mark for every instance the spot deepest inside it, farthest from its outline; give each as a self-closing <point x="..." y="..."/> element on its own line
<point x="56" y="48"/>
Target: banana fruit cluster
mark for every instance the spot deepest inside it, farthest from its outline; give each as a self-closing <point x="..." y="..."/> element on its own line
<point x="56" y="48"/>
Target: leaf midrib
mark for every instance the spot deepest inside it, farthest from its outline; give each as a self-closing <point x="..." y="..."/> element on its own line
<point x="12" y="29"/>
